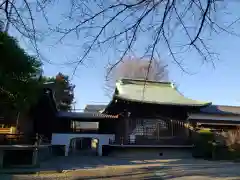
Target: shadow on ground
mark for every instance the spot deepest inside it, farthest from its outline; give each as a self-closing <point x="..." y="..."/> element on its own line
<point x="93" y="167"/>
<point x="170" y="169"/>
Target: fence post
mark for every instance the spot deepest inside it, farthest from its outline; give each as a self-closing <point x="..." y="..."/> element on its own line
<point x="1" y="158"/>
<point x="121" y="140"/>
<point x="36" y="140"/>
<point x="35" y="152"/>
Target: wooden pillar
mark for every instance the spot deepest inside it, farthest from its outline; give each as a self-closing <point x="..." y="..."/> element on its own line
<point x="35" y="157"/>
<point x="35" y="151"/>
<point x="180" y="127"/>
<point x="1" y="158"/>
<point x="119" y="132"/>
<point x="126" y="127"/>
<point x="187" y="130"/>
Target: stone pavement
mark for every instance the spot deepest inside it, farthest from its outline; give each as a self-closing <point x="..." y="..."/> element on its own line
<point x="89" y="167"/>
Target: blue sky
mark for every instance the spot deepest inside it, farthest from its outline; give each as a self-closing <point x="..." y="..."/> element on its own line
<point x="219" y="85"/>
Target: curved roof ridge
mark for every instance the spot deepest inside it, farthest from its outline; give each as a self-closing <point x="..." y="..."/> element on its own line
<point x="130" y="81"/>
<point x="154" y="92"/>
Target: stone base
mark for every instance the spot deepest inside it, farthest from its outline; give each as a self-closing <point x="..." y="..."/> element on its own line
<point x="148" y="152"/>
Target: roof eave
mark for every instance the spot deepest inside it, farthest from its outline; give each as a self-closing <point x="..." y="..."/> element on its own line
<point x="85" y="116"/>
<point x="217" y="114"/>
<point x="105" y="110"/>
<point x="161" y="103"/>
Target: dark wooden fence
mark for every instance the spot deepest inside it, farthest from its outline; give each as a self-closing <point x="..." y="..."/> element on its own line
<point x="19" y="139"/>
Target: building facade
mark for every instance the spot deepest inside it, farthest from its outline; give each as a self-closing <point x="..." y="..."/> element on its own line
<point x="142" y="113"/>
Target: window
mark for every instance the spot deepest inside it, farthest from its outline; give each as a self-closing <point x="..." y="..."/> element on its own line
<point x="79" y="126"/>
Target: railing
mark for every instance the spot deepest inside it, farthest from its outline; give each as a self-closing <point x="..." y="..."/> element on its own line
<point x="16" y="139"/>
<point x="5" y="130"/>
<point x="43" y="139"/>
<point x="10" y="139"/>
<point x="161" y="141"/>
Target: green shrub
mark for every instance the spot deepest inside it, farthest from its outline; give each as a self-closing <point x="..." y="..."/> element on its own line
<point x="225" y="153"/>
<point x="205" y="147"/>
<point x="203" y="144"/>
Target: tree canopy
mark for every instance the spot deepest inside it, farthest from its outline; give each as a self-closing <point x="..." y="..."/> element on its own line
<point x="63" y="90"/>
<point x="136" y="68"/>
<point x="21" y="79"/>
<point x="19" y="74"/>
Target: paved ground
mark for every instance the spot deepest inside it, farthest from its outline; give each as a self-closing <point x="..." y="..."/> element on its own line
<point x="89" y="167"/>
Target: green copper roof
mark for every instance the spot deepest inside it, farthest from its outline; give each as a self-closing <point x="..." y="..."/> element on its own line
<point x="153" y="92"/>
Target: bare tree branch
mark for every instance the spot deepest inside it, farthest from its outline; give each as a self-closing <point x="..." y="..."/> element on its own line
<point x="136" y="68"/>
<point x="202" y="21"/>
<point x="126" y="28"/>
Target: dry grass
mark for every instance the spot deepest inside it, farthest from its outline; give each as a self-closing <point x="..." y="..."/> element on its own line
<point x="232" y="139"/>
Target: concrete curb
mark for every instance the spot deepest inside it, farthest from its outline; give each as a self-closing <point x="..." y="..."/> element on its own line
<point x="26" y="172"/>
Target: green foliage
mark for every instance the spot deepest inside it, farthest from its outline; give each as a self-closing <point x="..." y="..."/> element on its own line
<point x="63" y="91"/>
<point x="15" y="61"/>
<point x="225" y="153"/>
<point x="204" y="131"/>
<point x="18" y="75"/>
<point x="206" y="147"/>
<point x="203" y="144"/>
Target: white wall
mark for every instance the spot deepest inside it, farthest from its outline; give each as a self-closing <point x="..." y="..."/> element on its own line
<point x="64" y="139"/>
<point x="87" y="125"/>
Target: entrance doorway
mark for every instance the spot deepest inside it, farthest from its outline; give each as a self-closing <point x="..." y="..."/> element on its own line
<point x="85" y="146"/>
